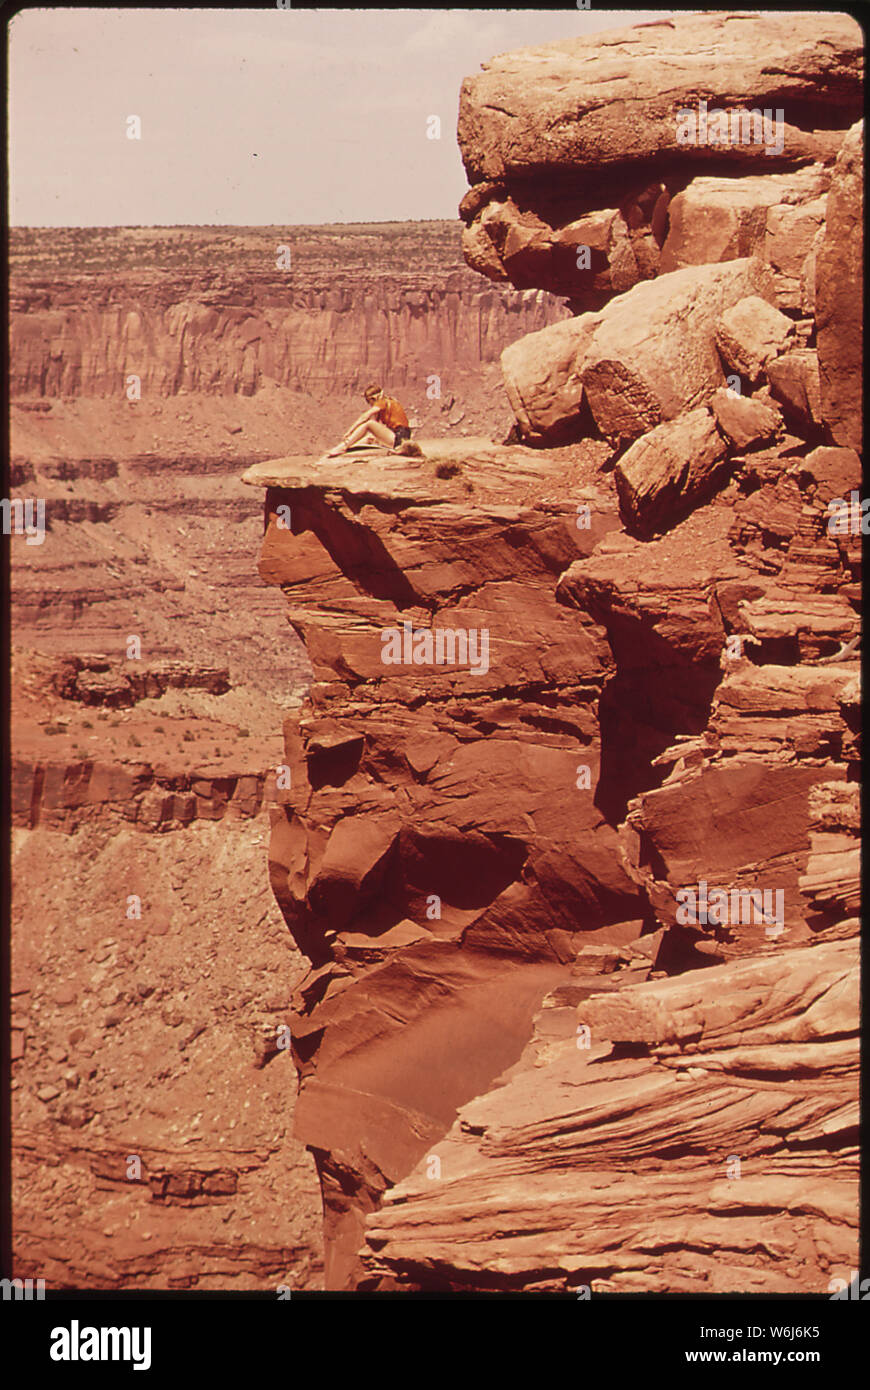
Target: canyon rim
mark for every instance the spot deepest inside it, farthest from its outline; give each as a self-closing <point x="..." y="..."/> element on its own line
<point x="463" y="848"/>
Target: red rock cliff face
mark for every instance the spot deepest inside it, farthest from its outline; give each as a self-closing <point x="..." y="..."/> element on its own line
<point x="448" y="858"/>
<point x="152" y="776"/>
<point x="580" y="897"/>
<point x="213" y="314"/>
<point x="581" y="143"/>
<point x="435" y="858"/>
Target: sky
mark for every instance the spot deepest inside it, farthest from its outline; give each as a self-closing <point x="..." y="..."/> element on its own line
<point x="251" y="117"/>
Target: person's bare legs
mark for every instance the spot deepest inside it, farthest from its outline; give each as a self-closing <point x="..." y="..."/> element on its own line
<point x="381" y="435"/>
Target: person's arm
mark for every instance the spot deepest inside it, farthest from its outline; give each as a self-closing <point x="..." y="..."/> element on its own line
<point x="366" y="415"/>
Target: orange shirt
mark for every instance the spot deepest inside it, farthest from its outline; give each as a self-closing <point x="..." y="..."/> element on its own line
<point x="390" y="413"/>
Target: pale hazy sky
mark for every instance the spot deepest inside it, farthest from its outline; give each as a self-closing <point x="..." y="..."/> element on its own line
<point x="250" y="117"/>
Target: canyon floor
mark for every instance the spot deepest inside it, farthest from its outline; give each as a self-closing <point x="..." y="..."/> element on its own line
<point x="146" y="1036"/>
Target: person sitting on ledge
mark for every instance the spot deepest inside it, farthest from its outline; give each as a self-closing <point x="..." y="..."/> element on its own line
<point x="385" y="422"/>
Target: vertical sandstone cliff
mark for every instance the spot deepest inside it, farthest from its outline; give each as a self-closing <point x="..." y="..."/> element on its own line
<point x="191" y="310"/>
<point x="523" y="1064"/>
<point x="435" y="858"/>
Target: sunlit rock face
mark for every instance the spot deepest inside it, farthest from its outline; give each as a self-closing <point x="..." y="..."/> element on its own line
<point x="576" y="151"/>
<point x="236" y="311"/>
<point x="439" y="854"/>
<point x="568" y="826"/>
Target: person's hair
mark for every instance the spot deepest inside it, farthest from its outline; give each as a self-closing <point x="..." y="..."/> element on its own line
<point x="375" y="389"/>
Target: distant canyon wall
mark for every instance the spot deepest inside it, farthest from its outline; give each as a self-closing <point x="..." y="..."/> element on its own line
<point x="197" y="312"/>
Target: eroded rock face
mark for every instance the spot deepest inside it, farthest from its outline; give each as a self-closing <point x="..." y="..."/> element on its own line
<point x="214" y="313"/>
<point x="840" y="295"/>
<point x="427" y="857"/>
<point x="581" y="899"/>
<point x="635" y="1162"/>
<point x="581" y="142"/>
<point x="409" y="781"/>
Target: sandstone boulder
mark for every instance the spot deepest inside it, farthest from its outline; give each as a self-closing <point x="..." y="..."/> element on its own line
<point x="616" y="103"/>
<point x="542" y="377"/>
<point x="722" y="219"/>
<point x="794" y="381"/>
<point x="789" y="248"/>
<point x="669" y="469"/>
<point x="750" y="333"/>
<point x="480" y="253"/>
<point x="833" y="472"/>
<point x="647" y="357"/>
<point x="746" y="422"/>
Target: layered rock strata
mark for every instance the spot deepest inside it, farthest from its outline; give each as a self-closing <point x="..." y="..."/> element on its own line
<point x="437" y="842"/>
<point x="583" y="143"/>
<point x="581" y="901"/>
<point x="428" y="859"/>
<point x="227" y="313"/>
<point x="662" y="1156"/>
<point x="62" y="795"/>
